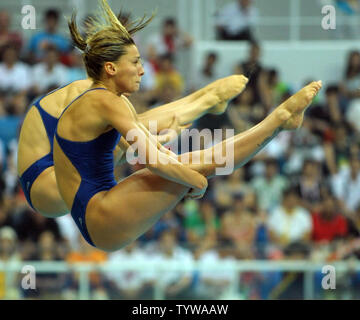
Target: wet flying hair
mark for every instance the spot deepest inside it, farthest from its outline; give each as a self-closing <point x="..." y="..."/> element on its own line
<point x="106" y="38"/>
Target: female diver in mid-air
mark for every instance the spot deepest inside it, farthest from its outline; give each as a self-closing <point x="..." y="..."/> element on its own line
<point x="35" y="151"/>
<point x="109" y="214"/>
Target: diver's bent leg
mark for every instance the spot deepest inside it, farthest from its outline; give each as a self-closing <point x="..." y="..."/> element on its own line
<point x="45" y="195"/>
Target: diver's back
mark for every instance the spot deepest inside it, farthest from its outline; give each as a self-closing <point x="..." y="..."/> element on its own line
<point x="38" y="128"/>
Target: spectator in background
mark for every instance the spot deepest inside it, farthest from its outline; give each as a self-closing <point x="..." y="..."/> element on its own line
<point x="48" y="285"/>
<point x="258" y="79"/>
<point x="269" y="188"/>
<point x="176" y="283"/>
<point x="208" y="72"/>
<point x="227" y="188"/>
<point x="244" y="113"/>
<point x="354" y="224"/>
<point x="214" y="284"/>
<point x="309" y="185"/>
<point x="9" y="254"/>
<point x="289" y="222"/>
<point x="324" y="116"/>
<point x="168" y="76"/>
<point x="276" y="87"/>
<point x="168" y="42"/>
<point x="345" y="184"/>
<point x="339" y="146"/>
<point x="87" y="253"/>
<point x="5" y="219"/>
<point x="351" y="83"/>
<point x="14" y="75"/>
<point x="328" y="223"/>
<point x="49" y="73"/>
<point x="7" y="37"/>
<point x="76" y="70"/>
<point x="17" y="103"/>
<point x="303" y="144"/>
<point x="30" y="226"/>
<point x="291" y="285"/>
<point x="10" y="174"/>
<point x="130" y="284"/>
<point x="168" y="222"/>
<point x="200" y="222"/>
<point x="239" y="226"/>
<point x="236" y="21"/>
<point x="49" y="37"/>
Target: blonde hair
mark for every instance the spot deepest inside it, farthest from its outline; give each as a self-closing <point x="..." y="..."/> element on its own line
<point x="106" y="38"/>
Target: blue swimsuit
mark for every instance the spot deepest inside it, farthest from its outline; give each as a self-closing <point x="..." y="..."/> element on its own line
<point x="30" y="175"/>
<point x="94" y="162"/>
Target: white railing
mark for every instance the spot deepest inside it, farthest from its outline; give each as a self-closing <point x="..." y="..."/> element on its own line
<point x="198" y="17"/>
<point x="83" y="269"/>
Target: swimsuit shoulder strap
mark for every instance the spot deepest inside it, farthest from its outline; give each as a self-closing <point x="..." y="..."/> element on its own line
<point x="79" y="97"/>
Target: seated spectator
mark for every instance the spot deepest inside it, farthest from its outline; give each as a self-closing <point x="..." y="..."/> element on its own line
<point x="176" y="283"/>
<point x="49" y="73"/>
<point x="351" y="81"/>
<point x="48" y="285"/>
<point x="9" y="125"/>
<point x="303" y="144"/>
<point x="354" y="224"/>
<point x="269" y="188"/>
<point x="214" y="284"/>
<point x="328" y="222"/>
<point x="10" y="174"/>
<point x="131" y="284"/>
<point x="168" y="76"/>
<point x="76" y="70"/>
<point x="345" y="184"/>
<point x="86" y="253"/>
<point x="258" y="79"/>
<point x="289" y="222"/>
<point x="239" y="226"/>
<point x="49" y="37"/>
<point x="276" y="87"/>
<point x="339" y="147"/>
<point x="9" y="283"/>
<point x="291" y="285"/>
<point x="168" y="42"/>
<point x="208" y="72"/>
<point x="14" y="75"/>
<point x="200" y="222"/>
<point x="243" y="112"/>
<point x="7" y="37"/>
<point x="29" y="226"/>
<point x="236" y="21"/>
<point x="171" y="221"/>
<point x="227" y="188"/>
<point x="309" y="185"/>
<point x="327" y="115"/>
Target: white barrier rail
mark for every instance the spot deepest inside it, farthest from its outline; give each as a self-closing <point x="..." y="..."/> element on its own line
<point x="309" y="268"/>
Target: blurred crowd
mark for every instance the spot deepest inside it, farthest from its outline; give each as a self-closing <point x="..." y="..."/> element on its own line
<point x="297" y="199"/>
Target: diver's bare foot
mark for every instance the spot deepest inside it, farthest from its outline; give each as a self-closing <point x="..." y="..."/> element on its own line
<point x="292" y="110"/>
<point x="225" y="89"/>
